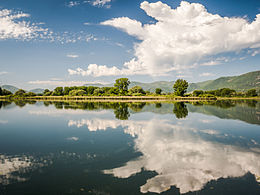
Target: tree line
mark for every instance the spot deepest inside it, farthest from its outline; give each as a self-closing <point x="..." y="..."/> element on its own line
<point x="121" y="86"/>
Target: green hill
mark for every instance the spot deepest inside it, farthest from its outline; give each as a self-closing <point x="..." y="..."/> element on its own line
<point x="11" y="88"/>
<point x="239" y="83"/>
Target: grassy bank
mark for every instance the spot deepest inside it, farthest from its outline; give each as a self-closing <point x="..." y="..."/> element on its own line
<point x="122" y="98"/>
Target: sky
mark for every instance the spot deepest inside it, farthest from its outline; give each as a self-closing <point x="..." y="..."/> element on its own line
<point x="49" y="43"/>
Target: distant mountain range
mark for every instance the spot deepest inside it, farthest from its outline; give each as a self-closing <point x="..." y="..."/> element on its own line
<point x="13" y="89"/>
<point x="239" y="83"/>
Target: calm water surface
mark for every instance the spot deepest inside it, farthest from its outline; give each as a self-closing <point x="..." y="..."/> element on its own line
<point x="123" y="148"/>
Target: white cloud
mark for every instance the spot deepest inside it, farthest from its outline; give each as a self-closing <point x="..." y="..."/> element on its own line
<point x="210" y="63"/>
<point x="72" y="4"/>
<point x="73" y="138"/>
<point x="3" y="72"/>
<point x="101" y="3"/>
<point x="206" y="74"/>
<point x="63" y="83"/>
<point x="256" y="52"/>
<point x="182" y="37"/>
<point x="72" y="56"/>
<point x="12" y="27"/>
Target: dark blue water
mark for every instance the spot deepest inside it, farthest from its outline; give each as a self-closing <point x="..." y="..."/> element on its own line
<point x="123" y="148"/>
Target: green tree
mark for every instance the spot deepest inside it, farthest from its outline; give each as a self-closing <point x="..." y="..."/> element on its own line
<point x="0" y="90"/>
<point x="197" y="93"/>
<point x="30" y="94"/>
<point x="6" y="92"/>
<point x="58" y="91"/>
<point x="158" y="91"/>
<point x="20" y="92"/>
<point x="136" y="90"/>
<point x="91" y="89"/>
<point x="77" y="92"/>
<point x="122" y="84"/>
<point x="226" y="92"/>
<point x="98" y="91"/>
<point x="251" y="93"/>
<point x="180" y="87"/>
<point x="66" y="91"/>
<point x="114" y="91"/>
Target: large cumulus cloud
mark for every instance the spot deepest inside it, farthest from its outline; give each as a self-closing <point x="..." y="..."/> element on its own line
<point x="179" y="39"/>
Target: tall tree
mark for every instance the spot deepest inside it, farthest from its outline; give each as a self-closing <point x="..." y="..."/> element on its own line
<point x="0" y="90"/>
<point x="158" y="91"/>
<point x="180" y="87"/>
<point x="58" y="91"/>
<point x="122" y="84"/>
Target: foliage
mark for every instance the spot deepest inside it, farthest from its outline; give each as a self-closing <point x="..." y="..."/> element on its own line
<point x="46" y="91"/>
<point x="136" y="90"/>
<point x="49" y="93"/>
<point x="158" y="91"/>
<point x="180" y="87"/>
<point x="30" y="94"/>
<point x="197" y="93"/>
<point x="0" y="91"/>
<point x="58" y="91"/>
<point x="66" y="91"/>
<point x="251" y="93"/>
<point x="98" y="91"/>
<point x="20" y="92"/>
<point x="122" y="84"/>
<point x="77" y="92"/>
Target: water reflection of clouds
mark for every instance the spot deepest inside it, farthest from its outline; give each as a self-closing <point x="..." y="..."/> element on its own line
<point x="179" y="154"/>
<point x="3" y="121"/>
<point x="61" y="112"/>
<point x="11" y="168"/>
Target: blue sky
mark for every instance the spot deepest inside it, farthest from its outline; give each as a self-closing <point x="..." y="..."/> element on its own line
<point x="46" y="43"/>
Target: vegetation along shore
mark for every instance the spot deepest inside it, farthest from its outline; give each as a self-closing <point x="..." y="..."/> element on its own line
<point x="120" y="92"/>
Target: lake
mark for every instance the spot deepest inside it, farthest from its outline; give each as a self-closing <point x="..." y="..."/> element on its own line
<point x="130" y="148"/>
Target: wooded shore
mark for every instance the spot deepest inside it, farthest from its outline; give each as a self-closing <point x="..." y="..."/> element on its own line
<point x="122" y="98"/>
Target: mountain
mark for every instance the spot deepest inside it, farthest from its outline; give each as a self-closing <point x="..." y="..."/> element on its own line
<point x="38" y="90"/>
<point x="11" y="88"/>
<point x="239" y="83"/>
<point x="166" y="86"/>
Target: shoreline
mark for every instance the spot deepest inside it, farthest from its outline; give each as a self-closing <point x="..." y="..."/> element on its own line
<point x="124" y="98"/>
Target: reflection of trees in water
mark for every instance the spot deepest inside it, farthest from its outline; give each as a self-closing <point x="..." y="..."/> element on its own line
<point x="4" y="104"/>
<point x="137" y="107"/>
<point x="251" y="103"/>
<point x="158" y="105"/>
<point x="180" y="110"/>
<point x="121" y="112"/>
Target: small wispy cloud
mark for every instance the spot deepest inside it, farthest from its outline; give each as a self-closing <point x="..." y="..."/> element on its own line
<point x="72" y="55"/>
<point x="73" y="138"/>
<point x="63" y="83"/>
<point x="119" y="44"/>
<point x="206" y="74"/>
<point x="99" y="3"/>
<point x="256" y="52"/>
<point x="3" y="72"/>
<point x="72" y="4"/>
